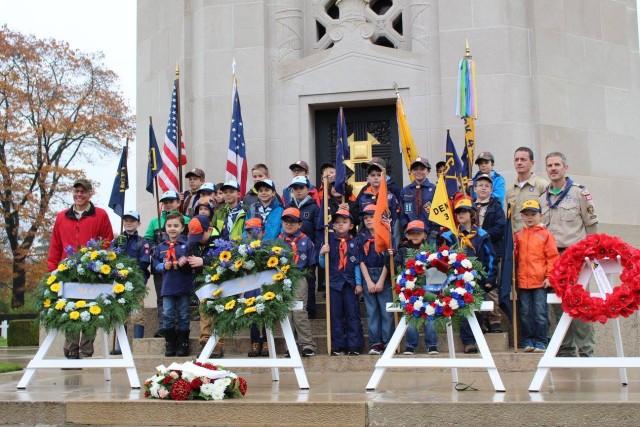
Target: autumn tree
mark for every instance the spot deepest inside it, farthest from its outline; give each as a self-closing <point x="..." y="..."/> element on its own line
<point x="59" y="107"/>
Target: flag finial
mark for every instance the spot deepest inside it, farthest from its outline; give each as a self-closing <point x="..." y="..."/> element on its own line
<point x="395" y="87"/>
<point x="177" y="70"/>
<point x="467" y="49"/>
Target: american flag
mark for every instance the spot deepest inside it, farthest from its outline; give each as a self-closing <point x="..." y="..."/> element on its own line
<point x="237" y="155"/>
<point x="169" y="178"/>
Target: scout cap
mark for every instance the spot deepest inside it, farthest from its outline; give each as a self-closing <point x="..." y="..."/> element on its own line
<point x="464" y="204"/>
<point x="198" y="225"/>
<point x="230" y="184"/>
<point x="264" y="183"/>
<point x="484" y="176"/>
<point x="195" y="172"/>
<point x="531" y="205"/>
<point x="292" y="213"/>
<point x="416" y="225"/>
<point x="377" y="163"/>
<point x="207" y="186"/>
<point x="205" y="201"/>
<point x="299" y="181"/>
<point x="421" y="161"/>
<point x="368" y="210"/>
<point x="169" y="195"/>
<point x="85" y="183"/>
<point x="253" y="223"/>
<point x="485" y="155"/>
<point x="299" y="164"/>
<point x="132" y="214"/>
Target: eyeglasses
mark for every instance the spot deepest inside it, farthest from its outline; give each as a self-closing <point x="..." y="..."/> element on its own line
<point x="289" y="222"/>
<point x="77" y="191"/>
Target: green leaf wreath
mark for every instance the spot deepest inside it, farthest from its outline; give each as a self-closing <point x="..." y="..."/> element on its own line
<point x="91" y="264"/>
<point x="232" y="260"/>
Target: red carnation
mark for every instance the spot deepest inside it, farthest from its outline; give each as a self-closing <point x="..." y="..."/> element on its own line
<point x="447" y="311"/>
<point x="468" y="298"/>
<point x="411" y="263"/>
<point x="410" y="277"/>
<point x="242" y="385"/>
<point x="423" y="315"/>
<point x="196" y="383"/>
<point x="419" y="292"/>
<point x="181" y="390"/>
<point x="419" y="268"/>
<point x="147" y="393"/>
<point x="446" y="299"/>
<point x="166" y="380"/>
<point x="409" y="308"/>
<point x="443" y="248"/>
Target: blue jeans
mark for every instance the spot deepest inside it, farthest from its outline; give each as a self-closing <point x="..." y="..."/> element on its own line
<point x="379" y="320"/>
<point x="430" y="336"/>
<point x="175" y="307"/>
<point x="534" y="315"/>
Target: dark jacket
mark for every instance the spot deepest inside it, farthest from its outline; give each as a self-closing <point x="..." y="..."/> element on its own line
<point x="309" y="213"/>
<point x="495" y="224"/>
<point x="346" y="276"/>
<point x="483" y="251"/>
<point x="137" y="248"/>
<point x="174" y="282"/>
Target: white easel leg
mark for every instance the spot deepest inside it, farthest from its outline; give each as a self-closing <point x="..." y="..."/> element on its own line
<point x="294" y="353"/>
<point x="452" y="352"/>
<point x="485" y="353"/>
<point x="551" y="353"/>
<point x="275" y="373"/>
<point x="619" y="350"/>
<point x="127" y="355"/>
<point x="105" y="351"/>
<point x="208" y="348"/>
<point x="394" y="342"/>
<point x="42" y="351"/>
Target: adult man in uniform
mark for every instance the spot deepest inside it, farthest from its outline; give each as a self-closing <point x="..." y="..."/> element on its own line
<point x="528" y="186"/>
<point x="74" y="227"/>
<point x="568" y="213"/>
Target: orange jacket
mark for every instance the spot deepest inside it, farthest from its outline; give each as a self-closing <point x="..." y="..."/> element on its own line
<point x="535" y="255"/>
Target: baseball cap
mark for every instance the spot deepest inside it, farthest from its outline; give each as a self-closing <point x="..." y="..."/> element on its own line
<point x="265" y="183"/>
<point x="531" y="205"/>
<point x="132" y="214"/>
<point x="299" y="181"/>
<point x="485" y="155"/>
<point x="230" y="184"/>
<point x="293" y="213"/>
<point x="300" y="164"/>
<point x="326" y="165"/>
<point x="198" y="225"/>
<point x="421" y="161"/>
<point x="205" y="201"/>
<point x="484" y="176"/>
<point x="169" y="195"/>
<point x="253" y="223"/>
<point x="195" y="172"/>
<point x="85" y="183"/>
<point x="207" y="186"/>
<point x="464" y="204"/>
<point x="416" y="225"/>
<point x="368" y="210"/>
<point x="376" y="162"/>
<point x="342" y="213"/>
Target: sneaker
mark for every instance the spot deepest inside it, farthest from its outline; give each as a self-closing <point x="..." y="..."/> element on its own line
<point x="376" y="350"/>
<point x="409" y="351"/>
<point x="337" y="352"/>
<point x="528" y="346"/>
<point x="496" y="328"/>
<point x="308" y="352"/>
<point x="433" y="350"/>
<point x="353" y="352"/>
<point x="470" y="348"/>
<point x="539" y="348"/>
<point x="287" y="355"/>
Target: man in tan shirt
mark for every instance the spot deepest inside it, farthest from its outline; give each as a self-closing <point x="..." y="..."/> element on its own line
<point x="527" y="186"/>
<point x="569" y="214"/>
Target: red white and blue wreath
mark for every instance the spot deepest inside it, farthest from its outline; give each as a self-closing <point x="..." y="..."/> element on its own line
<point x="440" y="286"/>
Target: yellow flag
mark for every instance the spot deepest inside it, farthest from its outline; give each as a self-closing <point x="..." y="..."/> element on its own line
<point x="440" y="208"/>
<point x="409" y="150"/>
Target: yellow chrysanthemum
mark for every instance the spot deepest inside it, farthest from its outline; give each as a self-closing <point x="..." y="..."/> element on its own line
<point x="249" y="310"/>
<point x="81" y="304"/>
<point x="47" y="303"/>
<point x="83" y="250"/>
<point x="55" y="287"/>
<point x="250" y="301"/>
<point x="216" y="292"/>
<point x="123" y="272"/>
<point x="277" y="277"/>
<point x="95" y="310"/>
<point x="62" y="267"/>
<point x="238" y="263"/>
<point x="215" y="277"/>
<point x="230" y="305"/>
<point x="285" y="268"/>
<point x="105" y="269"/>
<point x="272" y="262"/>
<point x="225" y="256"/>
<point x="255" y="244"/>
<point x="74" y="315"/>
<point x="51" y="279"/>
<point x="94" y="255"/>
<point x="60" y="305"/>
<point x="112" y="256"/>
<point x="269" y="296"/>
<point x="118" y="288"/>
<point x="276" y="250"/>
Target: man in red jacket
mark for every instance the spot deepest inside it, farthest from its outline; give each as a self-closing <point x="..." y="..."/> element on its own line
<point x="74" y="227"/>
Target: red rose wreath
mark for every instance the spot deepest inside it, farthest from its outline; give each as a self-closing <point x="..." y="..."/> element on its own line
<point x="576" y="300"/>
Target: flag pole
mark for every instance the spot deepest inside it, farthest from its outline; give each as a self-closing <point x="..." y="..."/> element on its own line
<point x="327" y="287"/>
<point x="179" y="130"/>
<point x="155" y="182"/>
<point x="126" y="167"/>
<point x="514" y="293"/>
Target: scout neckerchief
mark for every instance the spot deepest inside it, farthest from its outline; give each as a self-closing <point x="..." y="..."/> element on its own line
<point x="465" y="239"/>
<point x="232" y="215"/>
<point x="292" y="241"/>
<point x="264" y="211"/>
<point x="562" y="195"/>
<point x="342" y="250"/>
<point x="300" y="203"/>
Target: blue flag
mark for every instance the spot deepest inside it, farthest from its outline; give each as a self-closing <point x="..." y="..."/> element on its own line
<point x="507" y="272"/>
<point x="342" y="152"/>
<point x="453" y="169"/>
<point x="120" y="185"/>
<point x="155" y="159"/>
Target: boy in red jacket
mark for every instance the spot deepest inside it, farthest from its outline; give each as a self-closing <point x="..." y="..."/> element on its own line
<point x="535" y="255"/>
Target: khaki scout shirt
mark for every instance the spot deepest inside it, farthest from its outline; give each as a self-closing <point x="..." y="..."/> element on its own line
<point x="569" y="221"/>
<point x="516" y="196"/>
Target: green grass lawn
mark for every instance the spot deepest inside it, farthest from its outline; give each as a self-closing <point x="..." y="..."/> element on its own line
<point x="9" y="367"/>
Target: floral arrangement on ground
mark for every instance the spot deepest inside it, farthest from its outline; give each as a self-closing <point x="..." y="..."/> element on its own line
<point x="453" y="296"/>
<point x="91" y="264"/>
<point x="194" y="381"/>
<point x="233" y="260"/>
<point x="576" y="300"/>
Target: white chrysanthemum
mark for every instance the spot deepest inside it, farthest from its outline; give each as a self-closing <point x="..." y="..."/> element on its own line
<point x="279" y="297"/>
<point x="248" y="265"/>
<point x="239" y="312"/>
<point x="467" y="276"/>
<point x="207" y="278"/>
<point x="85" y="316"/>
<point x="207" y="389"/>
<point x="466" y="263"/>
<point x="234" y="268"/>
<point x="107" y="301"/>
<point x="259" y="298"/>
<point x="418" y="304"/>
<point x="445" y="253"/>
<point x="209" y="303"/>
<point x="119" y="266"/>
<point x="454" y="304"/>
<point x="50" y="310"/>
<point x="101" y="317"/>
<point x="430" y="311"/>
<point x="401" y="297"/>
<point x="410" y="284"/>
<point x="220" y="269"/>
<point x="242" y="250"/>
<point x="128" y="286"/>
<point x="80" y="269"/>
<point x="187" y="376"/>
<point x="241" y="300"/>
<point x="70" y="306"/>
<point x="259" y="307"/>
<point x="122" y="300"/>
<point x="460" y="291"/>
<point x="283" y="261"/>
<point x="219" y="308"/>
<point x="99" y="264"/>
<point x="432" y="257"/>
<point x="217" y="394"/>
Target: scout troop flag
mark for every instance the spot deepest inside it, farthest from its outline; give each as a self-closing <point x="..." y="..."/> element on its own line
<point x="120" y="185"/>
<point x="466" y="109"/>
<point x="381" y="218"/>
<point x="342" y="152"/>
<point x="440" y="208"/>
<point x="407" y="145"/>
<point x="453" y="169"/>
<point x="154" y="165"/>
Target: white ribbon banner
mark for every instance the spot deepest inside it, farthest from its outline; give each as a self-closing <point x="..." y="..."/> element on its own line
<point x="88" y="291"/>
<point x="191" y="368"/>
<point x="238" y="285"/>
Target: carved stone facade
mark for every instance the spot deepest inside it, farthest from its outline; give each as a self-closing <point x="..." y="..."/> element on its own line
<point x="552" y="75"/>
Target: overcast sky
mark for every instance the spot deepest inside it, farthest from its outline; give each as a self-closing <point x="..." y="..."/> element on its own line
<point x="90" y="26"/>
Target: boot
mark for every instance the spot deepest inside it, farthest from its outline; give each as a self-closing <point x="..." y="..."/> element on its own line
<point x="138" y="331"/>
<point x="170" y="342"/>
<point x="183" y="343"/>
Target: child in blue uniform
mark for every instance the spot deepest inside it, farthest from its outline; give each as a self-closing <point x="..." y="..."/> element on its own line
<point x="268" y="208"/>
<point x="346" y="327"/>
